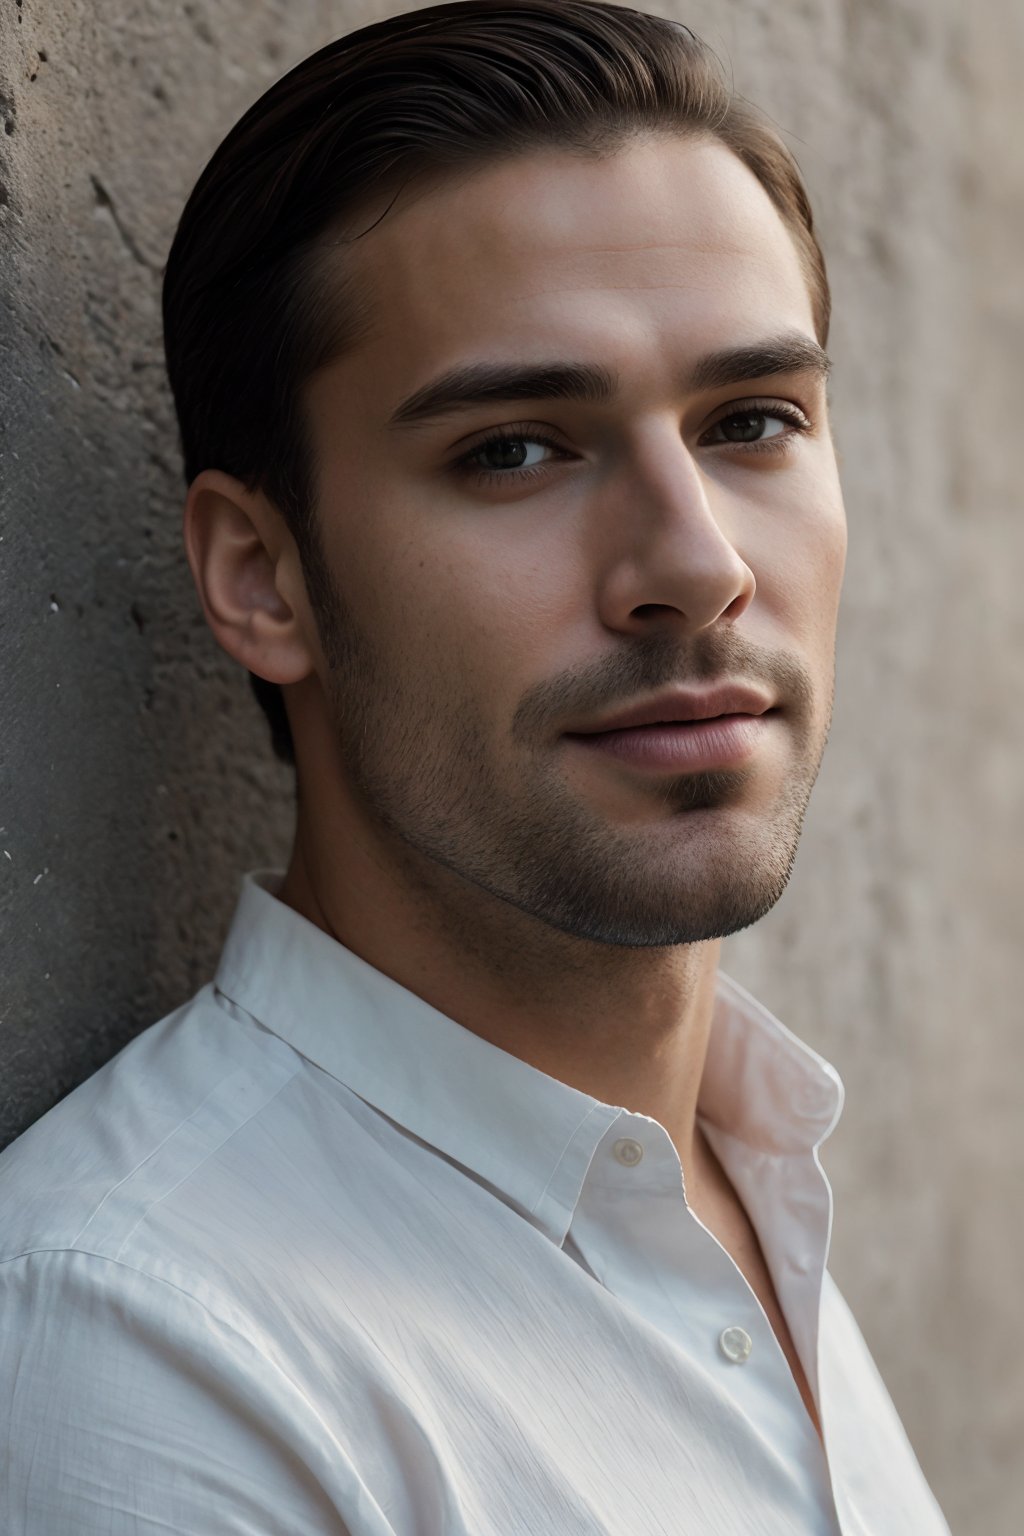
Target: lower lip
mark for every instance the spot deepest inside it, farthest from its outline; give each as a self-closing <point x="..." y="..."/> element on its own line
<point x="682" y="745"/>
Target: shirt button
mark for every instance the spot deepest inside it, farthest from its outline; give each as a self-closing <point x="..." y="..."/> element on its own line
<point x="628" y="1151"/>
<point x="735" y="1344"/>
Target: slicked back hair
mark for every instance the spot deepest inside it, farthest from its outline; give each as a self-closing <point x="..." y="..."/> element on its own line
<point x="255" y="297"/>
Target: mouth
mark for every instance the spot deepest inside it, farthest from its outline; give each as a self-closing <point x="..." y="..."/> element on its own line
<point x="682" y="746"/>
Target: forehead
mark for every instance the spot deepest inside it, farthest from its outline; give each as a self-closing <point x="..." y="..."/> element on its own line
<point x="668" y="246"/>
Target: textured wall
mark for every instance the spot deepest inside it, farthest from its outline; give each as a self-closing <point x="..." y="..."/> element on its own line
<point x="137" y="782"/>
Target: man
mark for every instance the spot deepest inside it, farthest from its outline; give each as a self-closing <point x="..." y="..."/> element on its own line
<point x="470" y="1196"/>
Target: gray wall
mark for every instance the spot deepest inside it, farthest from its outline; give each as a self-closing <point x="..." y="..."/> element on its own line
<point x="137" y="782"/>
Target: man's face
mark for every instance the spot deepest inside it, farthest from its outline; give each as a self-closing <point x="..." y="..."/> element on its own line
<point x="488" y="600"/>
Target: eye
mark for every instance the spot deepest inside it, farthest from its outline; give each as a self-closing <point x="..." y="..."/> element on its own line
<point x="758" y="426"/>
<point x="507" y="455"/>
<point x="512" y="454"/>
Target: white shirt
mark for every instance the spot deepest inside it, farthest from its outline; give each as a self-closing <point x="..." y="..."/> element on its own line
<point x="308" y="1256"/>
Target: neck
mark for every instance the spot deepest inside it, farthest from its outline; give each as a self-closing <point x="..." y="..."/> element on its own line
<point x="627" y="1026"/>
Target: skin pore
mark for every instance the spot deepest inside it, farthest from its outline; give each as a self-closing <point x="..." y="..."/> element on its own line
<point x="468" y="613"/>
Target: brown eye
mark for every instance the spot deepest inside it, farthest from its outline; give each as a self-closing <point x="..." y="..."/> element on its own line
<point x="503" y="453"/>
<point x="747" y="426"/>
<point x="511" y="455"/>
<point x="766" y="428"/>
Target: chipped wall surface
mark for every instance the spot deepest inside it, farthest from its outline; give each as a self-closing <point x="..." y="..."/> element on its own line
<point x="137" y="780"/>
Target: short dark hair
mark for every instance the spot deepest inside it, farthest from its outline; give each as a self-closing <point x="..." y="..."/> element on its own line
<point x="249" y="311"/>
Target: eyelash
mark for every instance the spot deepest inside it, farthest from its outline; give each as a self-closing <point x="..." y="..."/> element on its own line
<point x="524" y="433"/>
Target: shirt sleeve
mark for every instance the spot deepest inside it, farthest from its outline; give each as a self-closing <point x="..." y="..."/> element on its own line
<point x="127" y="1408"/>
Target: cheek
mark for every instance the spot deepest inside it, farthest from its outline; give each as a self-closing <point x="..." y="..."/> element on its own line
<point x="827" y="556"/>
<point x="497" y="596"/>
<point x="799" y="567"/>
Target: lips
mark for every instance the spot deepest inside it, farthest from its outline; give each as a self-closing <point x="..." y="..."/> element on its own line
<point x="680" y="746"/>
<point x="682" y="730"/>
<point x="675" y="706"/>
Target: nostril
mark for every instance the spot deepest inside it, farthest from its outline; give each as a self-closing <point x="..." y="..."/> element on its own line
<point x="647" y="609"/>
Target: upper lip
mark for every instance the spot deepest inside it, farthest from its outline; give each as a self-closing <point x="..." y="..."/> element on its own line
<point x="683" y="704"/>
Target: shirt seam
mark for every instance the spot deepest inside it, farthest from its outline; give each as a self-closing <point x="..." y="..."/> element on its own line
<point x="412" y="1387"/>
<point x="177" y="1130"/>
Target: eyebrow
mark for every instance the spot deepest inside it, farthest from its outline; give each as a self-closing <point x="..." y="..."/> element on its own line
<point x="484" y="383"/>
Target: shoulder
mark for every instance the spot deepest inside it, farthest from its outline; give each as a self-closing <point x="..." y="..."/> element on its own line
<point x="152" y="1312"/>
<point x="172" y="1414"/>
<point x="83" y="1174"/>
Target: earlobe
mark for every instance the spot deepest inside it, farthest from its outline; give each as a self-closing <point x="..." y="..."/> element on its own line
<point x="241" y="557"/>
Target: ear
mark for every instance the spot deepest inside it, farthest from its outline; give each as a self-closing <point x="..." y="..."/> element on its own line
<point x="246" y="567"/>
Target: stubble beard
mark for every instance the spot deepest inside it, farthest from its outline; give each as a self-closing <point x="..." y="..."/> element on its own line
<point x="417" y="759"/>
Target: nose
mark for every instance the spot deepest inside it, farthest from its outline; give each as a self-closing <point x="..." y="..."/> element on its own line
<point x="669" y="555"/>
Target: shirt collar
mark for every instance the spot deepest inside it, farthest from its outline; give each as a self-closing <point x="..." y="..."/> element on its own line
<point x="528" y="1136"/>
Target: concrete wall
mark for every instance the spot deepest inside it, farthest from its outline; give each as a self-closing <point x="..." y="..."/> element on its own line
<point x="137" y="781"/>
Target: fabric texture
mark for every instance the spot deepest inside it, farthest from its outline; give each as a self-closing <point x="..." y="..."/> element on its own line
<point x="309" y="1258"/>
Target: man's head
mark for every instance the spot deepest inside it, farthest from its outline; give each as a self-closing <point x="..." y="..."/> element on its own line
<point x="450" y="596"/>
